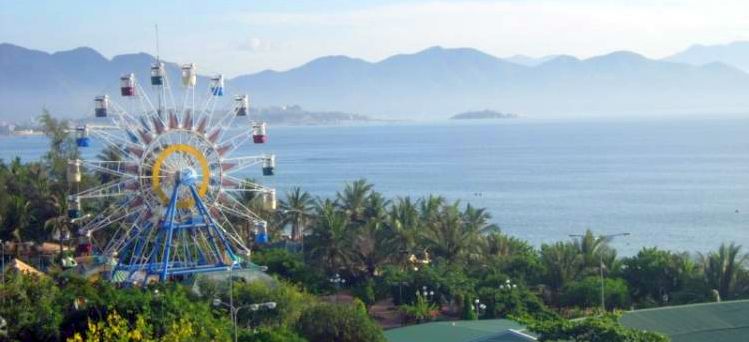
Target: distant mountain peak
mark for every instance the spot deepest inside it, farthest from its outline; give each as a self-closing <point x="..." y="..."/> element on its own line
<point x="735" y="54"/>
<point x="620" y="56"/>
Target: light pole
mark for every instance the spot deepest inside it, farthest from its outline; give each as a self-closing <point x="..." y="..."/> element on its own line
<point x="2" y="243"/>
<point x="479" y="306"/>
<point x="600" y="265"/>
<point x="234" y="311"/>
<point x="337" y="281"/>
<point x="508" y="285"/>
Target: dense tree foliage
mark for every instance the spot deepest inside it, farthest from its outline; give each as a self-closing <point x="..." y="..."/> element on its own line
<point x="340" y="323"/>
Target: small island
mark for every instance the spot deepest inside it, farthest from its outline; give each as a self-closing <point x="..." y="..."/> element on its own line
<point x="483" y="114"/>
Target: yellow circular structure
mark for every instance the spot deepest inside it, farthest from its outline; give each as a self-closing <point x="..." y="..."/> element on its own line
<point x="156" y="179"/>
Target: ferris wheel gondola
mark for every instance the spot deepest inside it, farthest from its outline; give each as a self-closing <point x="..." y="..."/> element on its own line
<point x="173" y="198"/>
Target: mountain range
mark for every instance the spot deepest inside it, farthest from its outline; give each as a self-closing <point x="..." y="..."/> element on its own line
<point x="431" y="84"/>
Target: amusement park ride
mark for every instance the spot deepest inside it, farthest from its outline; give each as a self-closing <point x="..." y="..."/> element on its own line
<point x="173" y="203"/>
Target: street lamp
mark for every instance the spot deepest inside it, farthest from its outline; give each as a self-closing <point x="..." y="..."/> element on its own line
<point x="337" y="281"/>
<point x="2" y="244"/>
<point x="479" y="306"/>
<point x="234" y="311"/>
<point x="600" y="266"/>
<point x="508" y="285"/>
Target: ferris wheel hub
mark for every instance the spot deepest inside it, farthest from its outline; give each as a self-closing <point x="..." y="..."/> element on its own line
<point x="187" y="176"/>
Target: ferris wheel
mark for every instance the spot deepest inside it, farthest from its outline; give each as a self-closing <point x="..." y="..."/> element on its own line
<point x="173" y="201"/>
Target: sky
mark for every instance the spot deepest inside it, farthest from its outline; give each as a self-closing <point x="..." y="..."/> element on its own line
<point x="237" y="37"/>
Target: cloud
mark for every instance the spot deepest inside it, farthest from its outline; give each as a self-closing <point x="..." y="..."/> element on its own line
<point x="255" y="44"/>
<point x="580" y="27"/>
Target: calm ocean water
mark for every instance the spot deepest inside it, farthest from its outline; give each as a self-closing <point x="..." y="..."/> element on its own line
<point x="682" y="185"/>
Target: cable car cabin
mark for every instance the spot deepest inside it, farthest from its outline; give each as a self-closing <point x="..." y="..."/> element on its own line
<point x="101" y="105"/>
<point x="157" y="74"/>
<point x="74" y="210"/>
<point x="84" y="249"/>
<point x="269" y="199"/>
<point x="259" y="135"/>
<point x="217" y="85"/>
<point x="127" y="85"/>
<point x="74" y="171"/>
<point x="243" y="105"/>
<point x="261" y="237"/>
<point x="82" y="139"/>
<point x="189" y="75"/>
<point x="269" y="166"/>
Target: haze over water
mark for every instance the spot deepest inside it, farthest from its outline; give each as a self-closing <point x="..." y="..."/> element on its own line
<point x="681" y="185"/>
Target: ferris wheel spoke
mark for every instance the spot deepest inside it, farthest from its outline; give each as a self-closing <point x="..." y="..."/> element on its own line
<point x="123" y="117"/>
<point x="109" y="217"/>
<point x="229" y="145"/>
<point x="104" y="132"/>
<point x="234" y="234"/>
<point x="116" y="168"/>
<point x="126" y="232"/>
<point x="234" y="206"/>
<point x="114" y="188"/>
<point x="232" y="165"/>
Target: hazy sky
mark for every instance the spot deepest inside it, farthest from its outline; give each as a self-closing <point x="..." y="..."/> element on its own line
<point x="246" y="36"/>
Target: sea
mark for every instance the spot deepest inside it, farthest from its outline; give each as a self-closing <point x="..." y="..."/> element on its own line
<point x="679" y="184"/>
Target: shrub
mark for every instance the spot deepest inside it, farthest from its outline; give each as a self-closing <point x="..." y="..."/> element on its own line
<point x="604" y="328"/>
<point x="270" y="335"/>
<point x="341" y="323"/>
<point x="365" y="292"/>
<point x="469" y="311"/>
<point x="422" y="310"/>
<point x="587" y="293"/>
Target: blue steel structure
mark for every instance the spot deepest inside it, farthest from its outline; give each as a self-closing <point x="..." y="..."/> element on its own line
<point x="167" y="259"/>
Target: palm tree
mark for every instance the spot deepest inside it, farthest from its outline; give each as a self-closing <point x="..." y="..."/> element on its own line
<point x="330" y="239"/>
<point x="562" y="261"/>
<point x="372" y="246"/>
<point x="353" y="199"/>
<point x="430" y="207"/>
<point x="404" y="223"/>
<point x="502" y="245"/>
<point x="297" y="211"/>
<point x="449" y="236"/>
<point x="18" y="217"/>
<point x="592" y="249"/>
<point x="478" y="219"/>
<point x="722" y="267"/>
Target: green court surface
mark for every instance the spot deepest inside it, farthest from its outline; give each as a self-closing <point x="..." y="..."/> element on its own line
<point x="495" y="330"/>
<point x="715" y="322"/>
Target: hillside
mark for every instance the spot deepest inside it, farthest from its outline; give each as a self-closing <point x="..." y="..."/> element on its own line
<point x="430" y="84"/>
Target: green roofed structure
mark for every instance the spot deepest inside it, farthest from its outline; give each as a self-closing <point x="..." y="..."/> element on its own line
<point x="724" y="322"/>
<point x="493" y="330"/>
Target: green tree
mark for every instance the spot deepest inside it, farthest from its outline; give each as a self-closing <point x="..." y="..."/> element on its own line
<point x="587" y="293"/>
<point x="658" y="276"/>
<point x="722" y="267"/>
<point x="31" y="311"/>
<point x="297" y="210"/>
<point x="340" y="323"/>
<point x="468" y="310"/>
<point x="562" y="262"/>
<point x="449" y="237"/>
<point x="330" y="240"/>
<point x="353" y="199"/>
